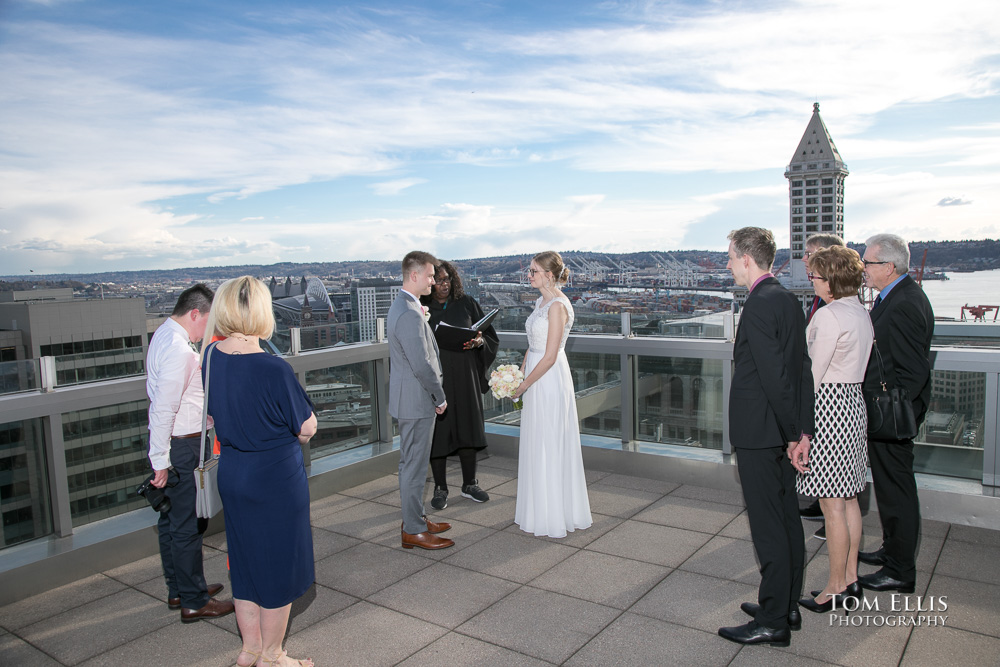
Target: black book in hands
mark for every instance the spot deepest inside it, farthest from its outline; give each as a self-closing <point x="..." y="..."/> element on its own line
<point x="454" y="338"/>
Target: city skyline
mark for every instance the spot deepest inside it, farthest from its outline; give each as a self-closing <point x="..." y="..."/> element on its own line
<point x="193" y="134"/>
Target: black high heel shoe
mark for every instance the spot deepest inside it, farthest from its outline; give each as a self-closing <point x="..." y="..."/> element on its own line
<point x="823" y="607"/>
<point x="853" y="590"/>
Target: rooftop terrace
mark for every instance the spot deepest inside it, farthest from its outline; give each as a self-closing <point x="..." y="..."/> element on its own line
<point x="664" y="565"/>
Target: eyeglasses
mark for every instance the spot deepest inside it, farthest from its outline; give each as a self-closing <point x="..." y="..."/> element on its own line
<point x="869" y="263"/>
<point x="807" y="254"/>
<point x="532" y="272"/>
<point x="814" y="276"/>
<point x="444" y="279"/>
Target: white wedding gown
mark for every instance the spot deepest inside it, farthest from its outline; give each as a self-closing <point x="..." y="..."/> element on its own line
<point x="551" y="487"/>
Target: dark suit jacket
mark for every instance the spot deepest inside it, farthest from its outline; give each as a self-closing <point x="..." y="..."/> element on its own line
<point x="771" y="402"/>
<point x="904" y="324"/>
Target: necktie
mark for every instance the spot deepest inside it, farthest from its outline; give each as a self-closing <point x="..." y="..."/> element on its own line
<point x="878" y="300"/>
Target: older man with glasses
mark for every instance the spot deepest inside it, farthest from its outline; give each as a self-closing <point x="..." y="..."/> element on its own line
<point x="904" y="323"/>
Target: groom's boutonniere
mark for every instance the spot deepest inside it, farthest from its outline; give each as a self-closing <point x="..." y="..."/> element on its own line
<point x="427" y="313"/>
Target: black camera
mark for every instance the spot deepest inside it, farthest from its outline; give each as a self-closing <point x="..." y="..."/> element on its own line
<point x="157" y="497"/>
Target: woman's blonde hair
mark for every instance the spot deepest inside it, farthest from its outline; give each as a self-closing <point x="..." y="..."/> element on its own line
<point x="243" y="306"/>
<point x="552" y="262"/>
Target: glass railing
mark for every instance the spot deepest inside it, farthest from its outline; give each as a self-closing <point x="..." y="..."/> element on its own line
<point x="679" y="401"/>
<point x="20" y="375"/>
<point x="24" y="489"/>
<point x="95" y="366"/>
<point x="950" y="441"/>
<point x="342" y="400"/>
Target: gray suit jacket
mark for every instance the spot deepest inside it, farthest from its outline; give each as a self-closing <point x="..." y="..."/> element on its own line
<point x="415" y="370"/>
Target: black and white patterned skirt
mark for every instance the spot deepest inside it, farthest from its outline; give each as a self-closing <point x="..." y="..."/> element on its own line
<point x="838" y="454"/>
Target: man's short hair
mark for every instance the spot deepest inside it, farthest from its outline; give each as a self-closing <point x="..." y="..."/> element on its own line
<point x="417" y="260"/>
<point x="841" y="267"/>
<point x="891" y="248"/>
<point x="824" y="241"/>
<point x="756" y="242"/>
<point x="198" y="297"/>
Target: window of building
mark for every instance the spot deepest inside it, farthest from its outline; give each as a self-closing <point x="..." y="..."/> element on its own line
<point x="811" y="182"/>
<point x="796" y="202"/>
<point x="827" y="181"/>
<point x="812" y="191"/>
<point x="796" y="184"/>
<point x="796" y="193"/>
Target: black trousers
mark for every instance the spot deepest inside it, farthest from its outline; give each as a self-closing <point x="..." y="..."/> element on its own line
<point x="180" y="538"/>
<point x="768" y="481"/>
<point x="898" y="505"/>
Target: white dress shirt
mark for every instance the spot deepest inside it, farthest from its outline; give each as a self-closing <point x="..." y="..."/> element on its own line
<point x="173" y="384"/>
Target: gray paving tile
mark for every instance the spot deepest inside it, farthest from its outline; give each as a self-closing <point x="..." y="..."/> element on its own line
<point x="175" y="644"/>
<point x="983" y="536"/>
<point x="364" y="521"/>
<point x="966" y="560"/>
<point x="58" y="600"/>
<point x="855" y="639"/>
<point x="662" y="644"/>
<point x="594" y="476"/>
<point x="16" y="651"/>
<point x="500" y="462"/>
<point x="540" y="623"/>
<point x="619" y="501"/>
<point x="331" y="504"/>
<point x="762" y="656"/>
<point x="948" y="646"/>
<point x="374" y="488"/>
<point x="498" y="513"/>
<point x="75" y="635"/>
<point x="660" y="545"/>
<point x="456" y="649"/>
<point x="327" y="543"/>
<point x="505" y="489"/>
<point x="316" y="604"/>
<point x="364" y="634"/>
<point x="578" y="538"/>
<point x="517" y="558"/>
<point x="972" y="605"/>
<point x="608" y="580"/>
<point x="690" y="514"/>
<point x="739" y="528"/>
<point x="367" y="568"/>
<point x="138" y="571"/>
<point x="640" y="483"/>
<point x="726" y="558"/>
<point x="216" y="541"/>
<point x="463" y="534"/>
<point x="697" y="601"/>
<point x="730" y="497"/>
<point x="443" y="594"/>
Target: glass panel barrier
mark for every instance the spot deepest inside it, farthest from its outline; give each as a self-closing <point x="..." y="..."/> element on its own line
<point x="341" y="397"/>
<point x="679" y="401"/>
<point x="94" y="366"/>
<point x="106" y="459"/>
<point x="501" y="411"/>
<point x="20" y="375"/>
<point x="597" y="380"/>
<point x="950" y="441"/>
<point x="24" y="488"/>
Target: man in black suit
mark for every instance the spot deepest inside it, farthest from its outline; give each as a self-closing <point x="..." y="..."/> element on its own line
<point x="904" y="323"/>
<point x="770" y="421"/>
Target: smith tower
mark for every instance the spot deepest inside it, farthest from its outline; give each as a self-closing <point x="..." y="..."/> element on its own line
<point x="816" y="177"/>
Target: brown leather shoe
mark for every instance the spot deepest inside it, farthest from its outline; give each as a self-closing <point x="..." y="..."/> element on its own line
<point x="213" y="590"/>
<point x="214" y="609"/>
<point x="436" y="527"/>
<point x="425" y="541"/>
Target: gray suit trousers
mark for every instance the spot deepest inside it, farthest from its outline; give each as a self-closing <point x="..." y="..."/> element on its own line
<point x="415" y="436"/>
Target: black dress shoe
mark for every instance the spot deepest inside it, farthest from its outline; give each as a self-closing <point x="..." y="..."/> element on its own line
<point x="880" y="581"/>
<point x="794" y="616"/>
<point x="834" y="603"/>
<point x="812" y="513"/>
<point x="754" y="633"/>
<point x="853" y="590"/>
<point x="876" y="557"/>
<point x="213" y="590"/>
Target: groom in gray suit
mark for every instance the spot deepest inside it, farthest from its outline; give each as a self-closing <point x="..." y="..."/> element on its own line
<point x="415" y="397"/>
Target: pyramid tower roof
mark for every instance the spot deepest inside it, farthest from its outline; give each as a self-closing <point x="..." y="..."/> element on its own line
<point x="816" y="143"/>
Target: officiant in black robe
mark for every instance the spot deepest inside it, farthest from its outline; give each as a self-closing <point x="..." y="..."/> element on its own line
<point x="460" y="430"/>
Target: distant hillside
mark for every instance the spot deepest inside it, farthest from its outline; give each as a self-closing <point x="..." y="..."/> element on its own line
<point x="962" y="255"/>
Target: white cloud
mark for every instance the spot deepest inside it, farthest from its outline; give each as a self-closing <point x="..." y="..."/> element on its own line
<point x="392" y="188"/>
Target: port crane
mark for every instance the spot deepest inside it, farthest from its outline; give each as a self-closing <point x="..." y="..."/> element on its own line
<point x="979" y="313"/>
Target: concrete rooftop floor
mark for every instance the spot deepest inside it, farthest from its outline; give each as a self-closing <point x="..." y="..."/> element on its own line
<point x="662" y="568"/>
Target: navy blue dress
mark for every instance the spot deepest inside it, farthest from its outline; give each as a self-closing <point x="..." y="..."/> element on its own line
<point x="258" y="407"/>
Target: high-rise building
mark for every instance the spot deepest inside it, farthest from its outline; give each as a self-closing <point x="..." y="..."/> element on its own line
<point x="816" y="177"/>
<point x="370" y="300"/>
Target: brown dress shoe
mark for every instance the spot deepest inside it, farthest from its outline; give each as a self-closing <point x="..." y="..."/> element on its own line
<point x="436" y="527"/>
<point x="214" y="609"/>
<point x="425" y="541"/>
<point x="213" y="590"/>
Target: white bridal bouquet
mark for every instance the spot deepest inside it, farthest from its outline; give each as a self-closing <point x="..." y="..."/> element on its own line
<point x="504" y="381"/>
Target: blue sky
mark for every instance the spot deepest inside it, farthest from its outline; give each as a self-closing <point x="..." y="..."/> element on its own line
<point x="169" y="134"/>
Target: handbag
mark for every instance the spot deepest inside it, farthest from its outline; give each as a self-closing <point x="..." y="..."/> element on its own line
<point x="890" y="412"/>
<point x="209" y="502"/>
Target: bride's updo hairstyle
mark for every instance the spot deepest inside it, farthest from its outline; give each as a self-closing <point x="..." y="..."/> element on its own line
<point x="550" y="260"/>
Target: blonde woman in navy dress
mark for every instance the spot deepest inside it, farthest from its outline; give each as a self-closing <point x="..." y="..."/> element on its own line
<point x="551" y="488"/>
<point x="839" y="336"/>
<point x="262" y="416"/>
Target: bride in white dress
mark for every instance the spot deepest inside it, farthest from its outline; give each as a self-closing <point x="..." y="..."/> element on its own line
<point x="551" y="487"/>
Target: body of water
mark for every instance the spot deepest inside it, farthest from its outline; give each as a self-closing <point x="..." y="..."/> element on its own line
<point x="981" y="288"/>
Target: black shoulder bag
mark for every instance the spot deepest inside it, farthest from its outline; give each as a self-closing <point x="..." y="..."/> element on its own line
<point x="890" y="412"/>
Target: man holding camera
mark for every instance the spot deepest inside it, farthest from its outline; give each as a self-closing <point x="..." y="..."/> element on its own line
<point x="176" y="396"/>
